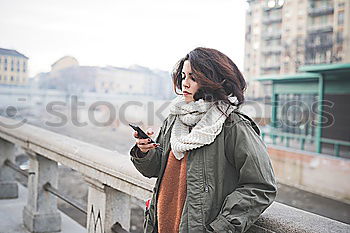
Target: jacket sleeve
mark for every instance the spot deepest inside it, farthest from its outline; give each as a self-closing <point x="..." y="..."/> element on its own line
<point x="256" y="188"/>
<point x="148" y="164"/>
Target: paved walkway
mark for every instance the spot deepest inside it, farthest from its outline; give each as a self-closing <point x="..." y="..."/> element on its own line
<point x="11" y="216"/>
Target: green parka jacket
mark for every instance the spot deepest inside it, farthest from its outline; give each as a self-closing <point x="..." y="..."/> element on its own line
<point x="230" y="182"/>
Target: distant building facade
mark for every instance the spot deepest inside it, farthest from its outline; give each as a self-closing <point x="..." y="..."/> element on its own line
<point x="63" y="63"/>
<point x="282" y="35"/>
<point x="13" y="68"/>
<point x="67" y="75"/>
<point x="135" y="80"/>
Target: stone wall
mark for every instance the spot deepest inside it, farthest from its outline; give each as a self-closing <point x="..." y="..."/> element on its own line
<point x="321" y="174"/>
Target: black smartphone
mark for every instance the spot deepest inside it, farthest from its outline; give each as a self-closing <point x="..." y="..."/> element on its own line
<point x="140" y="133"/>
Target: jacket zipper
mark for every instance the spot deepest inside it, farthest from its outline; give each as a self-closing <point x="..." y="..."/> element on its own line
<point x="206" y="188"/>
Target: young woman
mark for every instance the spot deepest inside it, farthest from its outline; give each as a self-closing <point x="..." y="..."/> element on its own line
<point x="213" y="171"/>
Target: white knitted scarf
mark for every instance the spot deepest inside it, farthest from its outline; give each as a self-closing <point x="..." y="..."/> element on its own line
<point x="205" y="119"/>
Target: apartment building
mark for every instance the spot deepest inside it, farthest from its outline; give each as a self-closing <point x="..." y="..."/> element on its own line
<point x="282" y="35"/>
<point x="13" y="68"/>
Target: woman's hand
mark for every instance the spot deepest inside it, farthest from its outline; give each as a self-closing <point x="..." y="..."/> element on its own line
<point x="144" y="144"/>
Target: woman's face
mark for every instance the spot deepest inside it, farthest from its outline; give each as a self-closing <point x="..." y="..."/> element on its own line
<point x="189" y="84"/>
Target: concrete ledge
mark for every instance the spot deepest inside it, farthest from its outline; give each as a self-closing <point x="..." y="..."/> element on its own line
<point x="8" y="190"/>
<point x="281" y="218"/>
<point x="41" y="223"/>
<point x="108" y="167"/>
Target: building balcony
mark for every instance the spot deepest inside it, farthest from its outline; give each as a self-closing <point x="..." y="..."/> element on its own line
<point x="272" y="67"/>
<point x="272" y="50"/>
<point x="272" y="35"/>
<point x="270" y="20"/>
<point x="326" y="10"/>
<point x="323" y="45"/>
<point x="273" y="8"/>
<point x="320" y="28"/>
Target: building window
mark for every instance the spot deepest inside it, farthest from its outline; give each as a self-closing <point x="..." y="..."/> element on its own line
<point x="12" y="78"/>
<point x="339" y="37"/>
<point x="312" y="21"/>
<point x="293" y="113"/>
<point x="18" y="66"/>
<point x="324" y="19"/>
<point x="12" y="65"/>
<point x="325" y="3"/>
<point x="341" y="18"/>
<point x="0" y="78"/>
<point x="5" y="64"/>
<point x="24" y="67"/>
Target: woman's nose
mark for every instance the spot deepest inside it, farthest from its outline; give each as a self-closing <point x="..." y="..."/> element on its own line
<point x="185" y="86"/>
<point x="185" y="83"/>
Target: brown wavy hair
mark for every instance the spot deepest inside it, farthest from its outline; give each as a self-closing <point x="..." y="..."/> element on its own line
<point x="216" y="74"/>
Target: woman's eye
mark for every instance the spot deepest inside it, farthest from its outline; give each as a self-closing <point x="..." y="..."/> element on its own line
<point x="183" y="76"/>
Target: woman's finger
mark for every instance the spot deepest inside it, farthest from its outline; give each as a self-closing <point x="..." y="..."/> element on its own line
<point x="142" y="141"/>
<point x="148" y="146"/>
<point x="149" y="132"/>
<point x="135" y="134"/>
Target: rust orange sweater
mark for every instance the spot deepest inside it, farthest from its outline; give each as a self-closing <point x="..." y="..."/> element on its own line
<point x="172" y="195"/>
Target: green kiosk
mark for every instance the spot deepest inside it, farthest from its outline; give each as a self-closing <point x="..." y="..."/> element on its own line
<point x="311" y="109"/>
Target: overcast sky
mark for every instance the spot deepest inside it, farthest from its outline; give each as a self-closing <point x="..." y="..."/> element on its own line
<point x="152" y="33"/>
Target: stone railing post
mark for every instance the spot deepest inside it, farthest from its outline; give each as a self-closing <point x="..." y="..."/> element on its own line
<point x="106" y="206"/>
<point x="8" y="184"/>
<point x="41" y="213"/>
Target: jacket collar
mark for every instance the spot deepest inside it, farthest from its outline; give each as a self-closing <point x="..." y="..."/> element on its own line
<point x="170" y="123"/>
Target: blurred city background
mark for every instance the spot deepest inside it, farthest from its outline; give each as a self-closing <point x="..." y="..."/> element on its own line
<point x="87" y="69"/>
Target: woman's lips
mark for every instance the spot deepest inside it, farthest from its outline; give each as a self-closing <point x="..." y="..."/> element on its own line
<point x="186" y="93"/>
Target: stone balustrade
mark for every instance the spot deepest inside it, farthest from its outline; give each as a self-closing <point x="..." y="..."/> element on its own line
<point x="111" y="176"/>
<point x="112" y="181"/>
